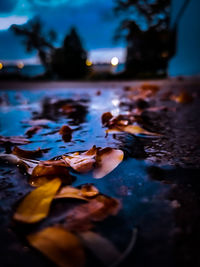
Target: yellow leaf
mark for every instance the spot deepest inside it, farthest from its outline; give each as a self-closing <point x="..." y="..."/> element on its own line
<point x="35" y="206"/>
<point x="132" y="129"/>
<point x="60" y="246"/>
<point x="107" y="160"/>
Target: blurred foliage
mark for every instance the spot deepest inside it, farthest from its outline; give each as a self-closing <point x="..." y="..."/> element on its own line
<point x="150" y="42"/>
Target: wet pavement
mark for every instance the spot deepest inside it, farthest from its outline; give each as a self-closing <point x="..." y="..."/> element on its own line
<point x="157" y="183"/>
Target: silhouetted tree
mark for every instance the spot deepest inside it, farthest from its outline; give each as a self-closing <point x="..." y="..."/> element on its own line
<point x="148" y="35"/>
<point x="69" y="61"/>
<point x="36" y="39"/>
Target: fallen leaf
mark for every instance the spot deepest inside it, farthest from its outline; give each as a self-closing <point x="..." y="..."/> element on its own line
<point x="184" y="98"/>
<point x="89" y="190"/>
<point x="38" y="122"/>
<point x="66" y="133"/>
<point x="29" y="154"/>
<point x="70" y="192"/>
<point x="132" y="129"/>
<point x="80" y="218"/>
<point x="85" y="192"/>
<point x="27" y="164"/>
<point x="68" y="108"/>
<point x="60" y="246"/>
<point x="33" y="130"/>
<point x="48" y="170"/>
<point x="106" y="117"/>
<point x="151" y="89"/>
<point x="35" y="206"/>
<point x="106" y="161"/>
<point x="17" y="140"/>
<point x="81" y="162"/>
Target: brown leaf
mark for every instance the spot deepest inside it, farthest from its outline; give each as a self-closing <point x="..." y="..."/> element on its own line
<point x="66" y="133"/>
<point x="47" y="170"/>
<point x="81" y="217"/>
<point x="106" y="117"/>
<point x="28" y="153"/>
<point x="35" y="206"/>
<point x="81" y="162"/>
<point x="107" y="160"/>
<point x="60" y="246"/>
<point x="68" y="108"/>
<point x="17" y="140"/>
<point x="33" y="130"/>
<point x="183" y="98"/>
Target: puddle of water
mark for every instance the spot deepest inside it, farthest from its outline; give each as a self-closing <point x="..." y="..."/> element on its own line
<point x="143" y="200"/>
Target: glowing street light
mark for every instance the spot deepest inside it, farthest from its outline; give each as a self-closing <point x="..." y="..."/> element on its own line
<point x="88" y="63"/>
<point x="1" y="66"/>
<point x="114" y="61"/>
<point x="20" y="65"/>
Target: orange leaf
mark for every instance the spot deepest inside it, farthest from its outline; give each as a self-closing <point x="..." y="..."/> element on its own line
<point x="85" y="192"/>
<point x="35" y="206"/>
<point x="81" y="162"/>
<point x="60" y="246"/>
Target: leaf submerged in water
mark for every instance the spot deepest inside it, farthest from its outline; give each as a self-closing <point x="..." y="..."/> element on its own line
<point x="35" y="206"/>
<point x="59" y="245"/>
<point x="81" y="217"/>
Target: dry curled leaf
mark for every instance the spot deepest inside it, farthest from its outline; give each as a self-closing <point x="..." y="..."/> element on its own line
<point x="66" y="133"/>
<point x="35" y="206"/>
<point x="85" y="192"/>
<point x="106" y="161"/>
<point x="81" y="162"/>
<point x="29" y="154"/>
<point x="59" y="245"/>
<point x="80" y="218"/>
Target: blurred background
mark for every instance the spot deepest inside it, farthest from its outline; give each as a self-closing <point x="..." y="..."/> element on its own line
<point x="104" y="39"/>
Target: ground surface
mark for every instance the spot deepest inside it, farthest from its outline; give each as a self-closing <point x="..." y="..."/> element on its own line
<point x="157" y="183"/>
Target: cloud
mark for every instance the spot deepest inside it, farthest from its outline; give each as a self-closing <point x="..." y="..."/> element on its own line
<point x="6" y="22"/>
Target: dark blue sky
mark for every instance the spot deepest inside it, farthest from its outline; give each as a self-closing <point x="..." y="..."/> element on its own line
<point x="95" y="21"/>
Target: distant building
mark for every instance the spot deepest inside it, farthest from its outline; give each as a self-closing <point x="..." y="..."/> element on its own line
<point x="187" y="58"/>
